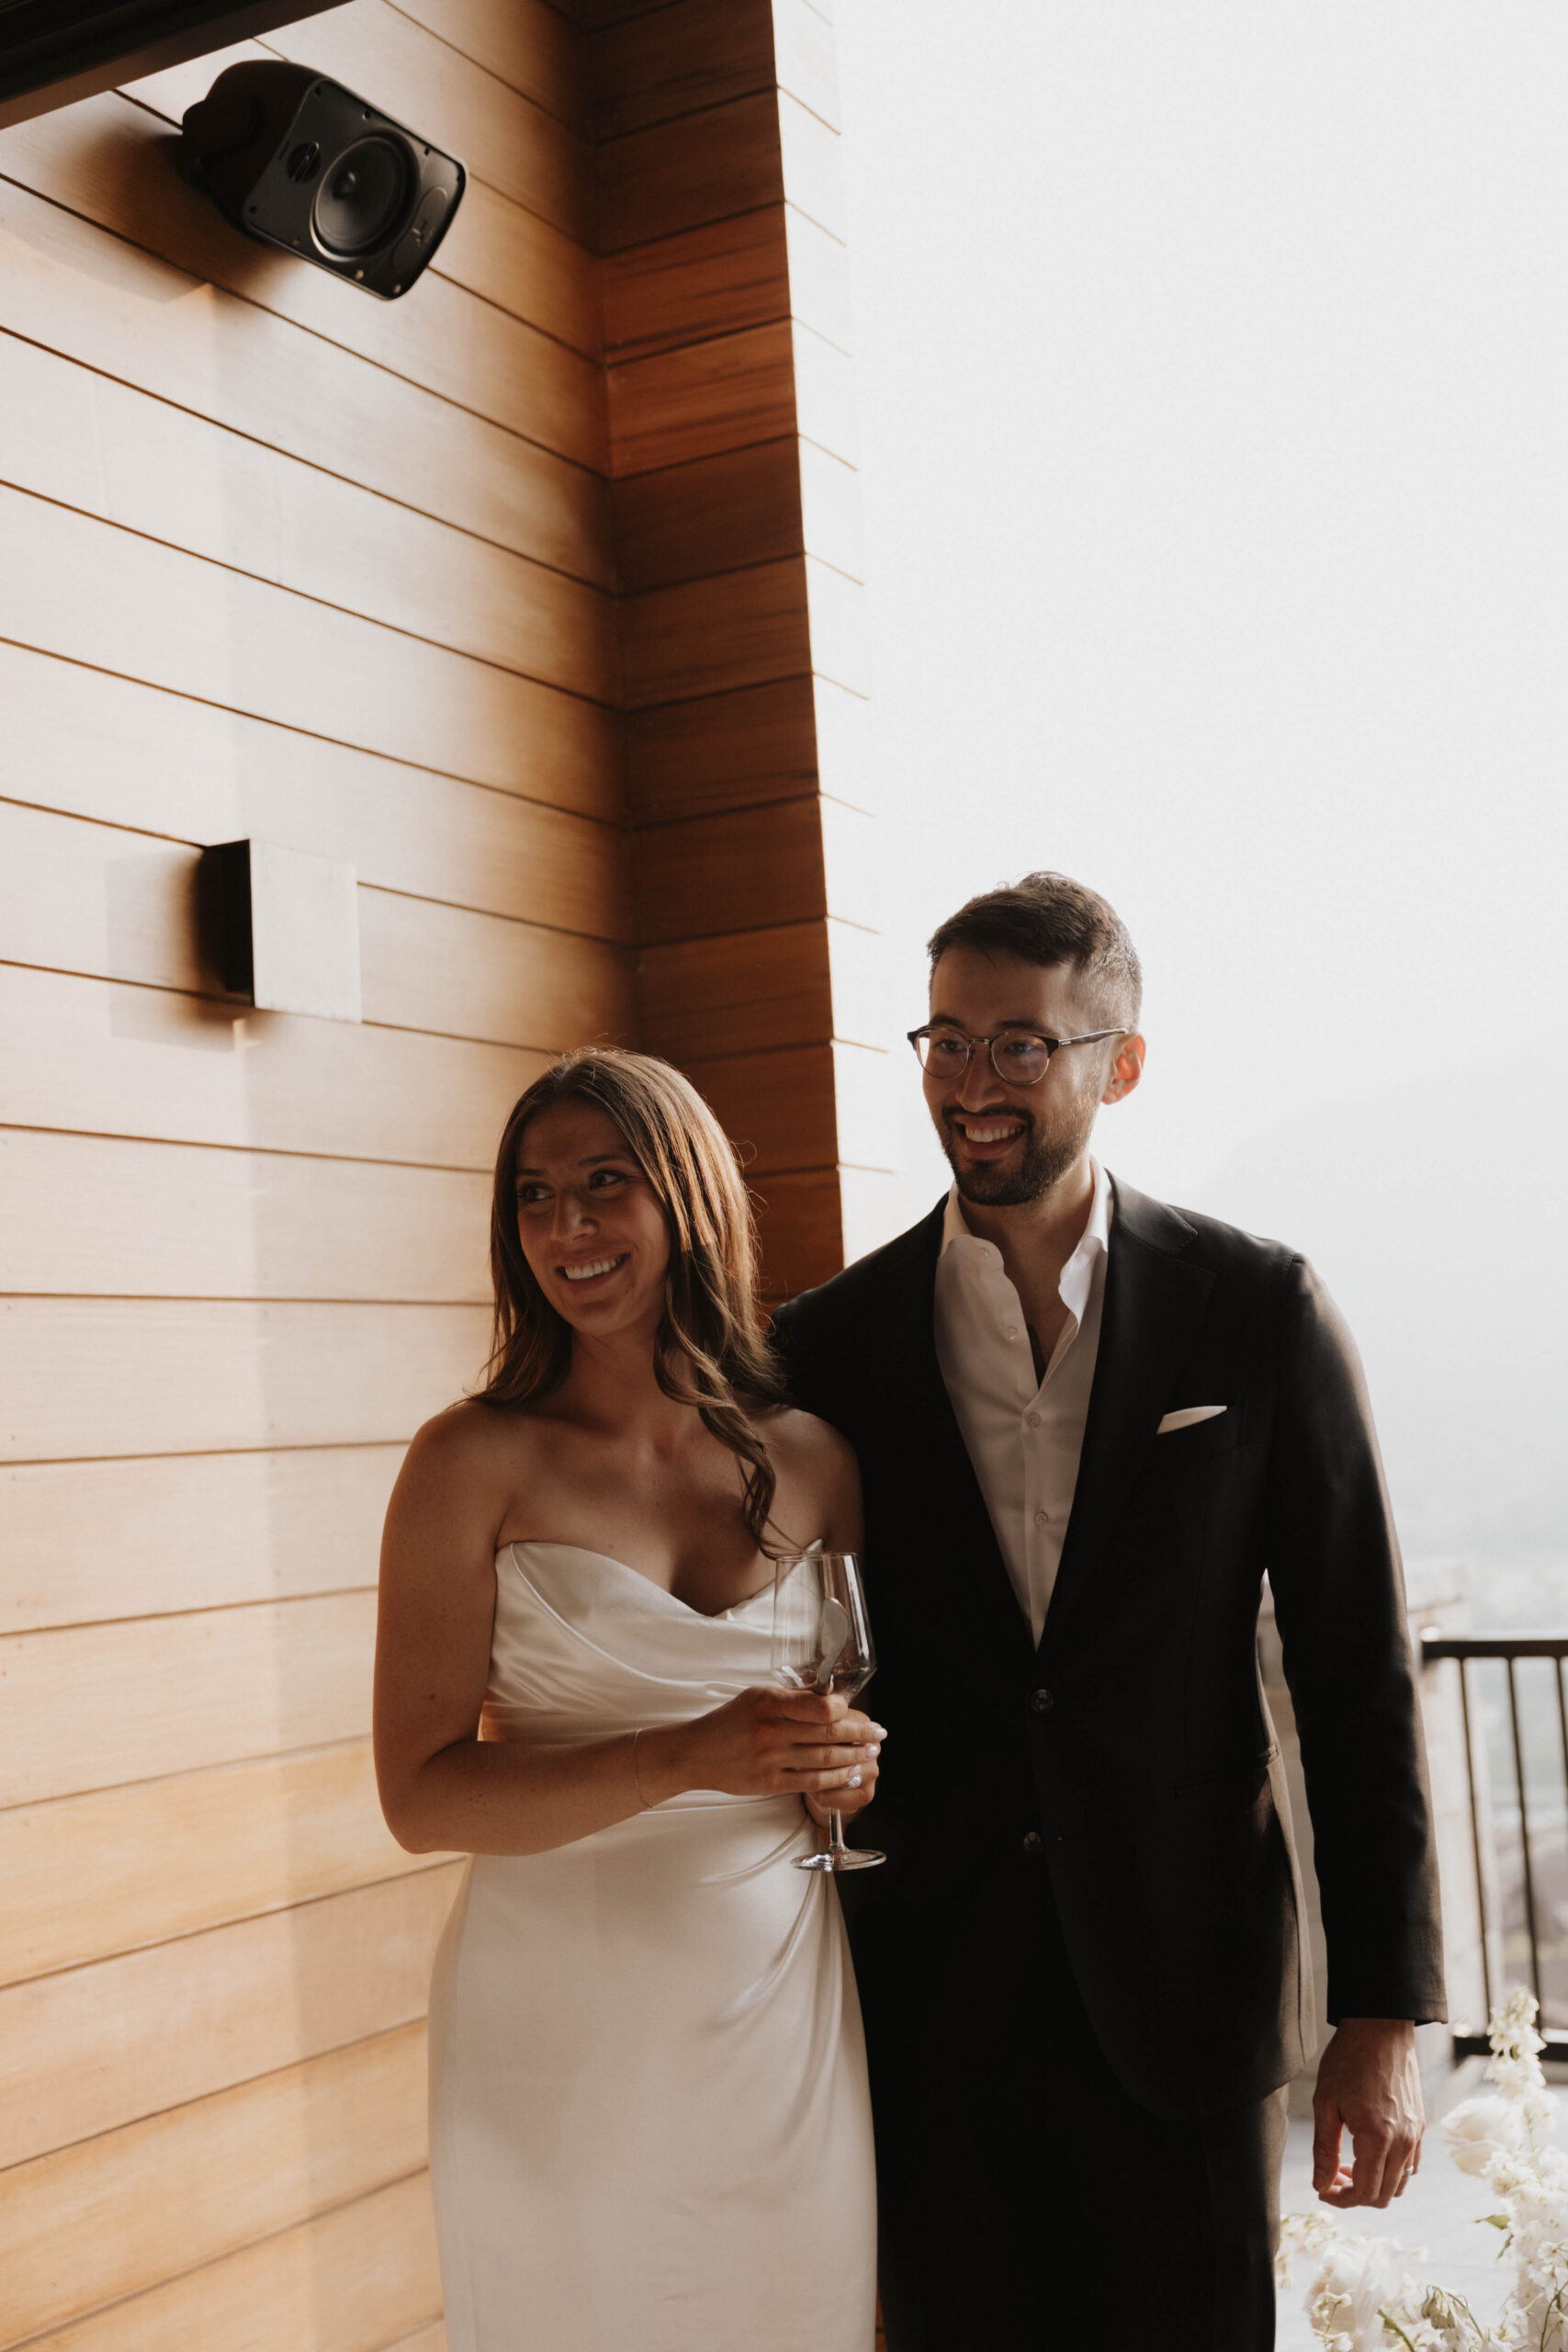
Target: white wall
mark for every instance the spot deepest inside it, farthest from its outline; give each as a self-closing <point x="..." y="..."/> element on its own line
<point x="1215" y="371"/>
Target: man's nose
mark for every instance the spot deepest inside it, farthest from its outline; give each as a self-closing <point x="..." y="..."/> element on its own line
<point x="980" y="1088"/>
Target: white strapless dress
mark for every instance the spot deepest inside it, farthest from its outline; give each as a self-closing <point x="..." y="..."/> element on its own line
<point x="649" y="2124"/>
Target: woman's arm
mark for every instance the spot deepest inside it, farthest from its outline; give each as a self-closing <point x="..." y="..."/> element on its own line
<point x="442" y="1788"/>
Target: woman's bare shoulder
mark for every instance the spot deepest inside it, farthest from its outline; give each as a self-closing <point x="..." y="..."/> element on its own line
<point x="805" y="1435"/>
<point x="472" y="1445"/>
<point x="803" y="1440"/>
<point x="463" y="1430"/>
<point x="818" y="1489"/>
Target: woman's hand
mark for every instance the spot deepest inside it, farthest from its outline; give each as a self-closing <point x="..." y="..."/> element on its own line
<point x="767" y="1743"/>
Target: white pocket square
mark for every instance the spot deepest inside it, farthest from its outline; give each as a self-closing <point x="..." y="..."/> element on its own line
<point x="1187" y="1416"/>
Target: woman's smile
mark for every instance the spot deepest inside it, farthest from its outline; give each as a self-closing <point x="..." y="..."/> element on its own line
<point x="594" y="1270"/>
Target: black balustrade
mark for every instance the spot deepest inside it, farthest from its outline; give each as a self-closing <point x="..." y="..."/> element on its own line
<point x="1531" y="1884"/>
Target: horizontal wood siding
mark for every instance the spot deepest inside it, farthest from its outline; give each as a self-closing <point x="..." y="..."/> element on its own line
<point x="250" y="1681"/>
<point x="104" y="596"/>
<point x="687" y="57"/>
<point x="717" y="513"/>
<point x="145" y="1863"/>
<point x="728" y="275"/>
<point x="170" y="476"/>
<point x="694" y="169"/>
<point x="96" y="1214"/>
<point x="695" y="399"/>
<point x="142" y="1536"/>
<point x="737" y="993"/>
<point x="357" y="2278"/>
<point x="111" y="2217"/>
<point x="95" y="745"/>
<point x="290" y="564"/>
<point x="145" y="1376"/>
<point x="93" y="2048"/>
<point x="695" y="759"/>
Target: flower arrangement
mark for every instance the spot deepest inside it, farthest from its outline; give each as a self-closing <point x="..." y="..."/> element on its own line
<point x="1364" y="2298"/>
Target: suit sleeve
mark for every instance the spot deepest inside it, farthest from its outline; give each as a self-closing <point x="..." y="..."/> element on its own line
<point x="1338" y="1598"/>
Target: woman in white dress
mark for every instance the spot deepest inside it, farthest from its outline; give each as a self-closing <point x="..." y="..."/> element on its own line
<point x="649" y="2126"/>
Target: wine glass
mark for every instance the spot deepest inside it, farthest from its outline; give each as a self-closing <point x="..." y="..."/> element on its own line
<point x="822" y="1642"/>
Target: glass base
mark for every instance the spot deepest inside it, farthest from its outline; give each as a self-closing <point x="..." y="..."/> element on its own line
<point x="844" y="1858"/>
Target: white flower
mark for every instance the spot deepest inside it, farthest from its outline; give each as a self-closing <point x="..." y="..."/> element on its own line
<point x="1480" y="2129"/>
<point x="1512" y="2033"/>
<point x="1539" y="2112"/>
<point x="1358" y="2277"/>
<point x="1445" y="2324"/>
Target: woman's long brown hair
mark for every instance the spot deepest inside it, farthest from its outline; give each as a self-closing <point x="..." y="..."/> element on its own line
<point x="711" y="1348"/>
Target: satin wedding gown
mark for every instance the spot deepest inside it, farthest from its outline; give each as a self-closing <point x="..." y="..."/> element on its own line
<point x="650" y="2125"/>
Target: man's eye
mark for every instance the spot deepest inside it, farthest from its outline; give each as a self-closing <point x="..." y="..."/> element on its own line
<point x="1023" y="1058"/>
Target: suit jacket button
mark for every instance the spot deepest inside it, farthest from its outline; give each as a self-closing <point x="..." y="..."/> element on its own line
<point x="1040" y="1702"/>
<point x="1032" y="1843"/>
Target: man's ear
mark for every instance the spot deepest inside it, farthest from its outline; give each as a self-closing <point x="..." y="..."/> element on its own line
<point x="1126" y="1069"/>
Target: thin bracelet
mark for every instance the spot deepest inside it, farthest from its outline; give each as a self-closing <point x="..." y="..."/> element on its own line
<point x="637" y="1775"/>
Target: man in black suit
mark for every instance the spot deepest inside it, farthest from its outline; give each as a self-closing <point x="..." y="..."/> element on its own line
<point x="1088" y="1425"/>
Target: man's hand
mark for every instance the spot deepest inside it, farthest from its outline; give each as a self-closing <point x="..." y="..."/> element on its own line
<point x="1368" y="2085"/>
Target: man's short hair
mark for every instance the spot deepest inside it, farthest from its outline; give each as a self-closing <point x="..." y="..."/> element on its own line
<point x="1049" y="919"/>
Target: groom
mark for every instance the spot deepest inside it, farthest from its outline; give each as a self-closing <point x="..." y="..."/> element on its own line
<point x="1087" y="1425"/>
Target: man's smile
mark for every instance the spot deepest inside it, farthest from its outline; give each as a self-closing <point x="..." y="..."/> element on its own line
<point x="989" y="1132"/>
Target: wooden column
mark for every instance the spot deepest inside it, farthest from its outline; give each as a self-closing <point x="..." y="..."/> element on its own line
<point x="737" y="530"/>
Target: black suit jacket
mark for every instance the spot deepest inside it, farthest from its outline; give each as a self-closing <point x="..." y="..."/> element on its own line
<point x="1135" y="1742"/>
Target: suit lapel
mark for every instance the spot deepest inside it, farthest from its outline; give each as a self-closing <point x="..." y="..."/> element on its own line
<point x="927" y="1429"/>
<point x="1153" y="1297"/>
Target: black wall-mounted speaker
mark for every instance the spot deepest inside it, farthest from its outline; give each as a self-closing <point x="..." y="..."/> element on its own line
<point x="301" y="163"/>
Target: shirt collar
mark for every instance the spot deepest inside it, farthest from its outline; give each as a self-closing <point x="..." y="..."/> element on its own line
<point x="1079" y="1272"/>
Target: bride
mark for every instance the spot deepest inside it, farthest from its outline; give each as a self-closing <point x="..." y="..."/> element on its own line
<point x="649" y="2129"/>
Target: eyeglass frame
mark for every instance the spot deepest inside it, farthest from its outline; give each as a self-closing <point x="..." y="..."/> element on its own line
<point x="970" y="1039"/>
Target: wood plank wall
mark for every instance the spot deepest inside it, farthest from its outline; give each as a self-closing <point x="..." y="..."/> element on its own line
<point x="282" y="560"/>
<point x="737" y="530"/>
<point x="536" y="596"/>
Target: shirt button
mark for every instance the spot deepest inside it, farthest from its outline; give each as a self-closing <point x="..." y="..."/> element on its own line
<point x="1034" y="1843"/>
<point x="1042" y="1518"/>
<point x="1040" y="1702"/>
<point x="1034" y="1421"/>
<point x="1011" y="1332"/>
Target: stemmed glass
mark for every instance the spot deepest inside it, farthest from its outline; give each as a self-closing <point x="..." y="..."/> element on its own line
<point x="822" y="1642"/>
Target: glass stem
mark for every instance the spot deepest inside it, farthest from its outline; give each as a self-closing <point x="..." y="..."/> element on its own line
<point x="834" y="1831"/>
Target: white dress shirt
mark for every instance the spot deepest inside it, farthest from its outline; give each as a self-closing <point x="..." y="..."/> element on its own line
<point x="1024" y="1435"/>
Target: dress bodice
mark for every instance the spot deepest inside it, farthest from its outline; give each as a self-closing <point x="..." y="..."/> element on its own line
<point x="584" y="1646"/>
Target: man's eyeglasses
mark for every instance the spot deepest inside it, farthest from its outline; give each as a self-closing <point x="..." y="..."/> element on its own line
<point x="1018" y="1056"/>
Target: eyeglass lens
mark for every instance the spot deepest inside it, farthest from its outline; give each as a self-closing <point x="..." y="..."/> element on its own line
<point x="1018" y="1057"/>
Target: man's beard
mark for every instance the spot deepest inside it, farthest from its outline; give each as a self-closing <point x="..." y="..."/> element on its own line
<point x="1046" y="1160"/>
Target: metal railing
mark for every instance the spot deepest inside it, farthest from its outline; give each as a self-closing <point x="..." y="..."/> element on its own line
<point x="1519" y="1839"/>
